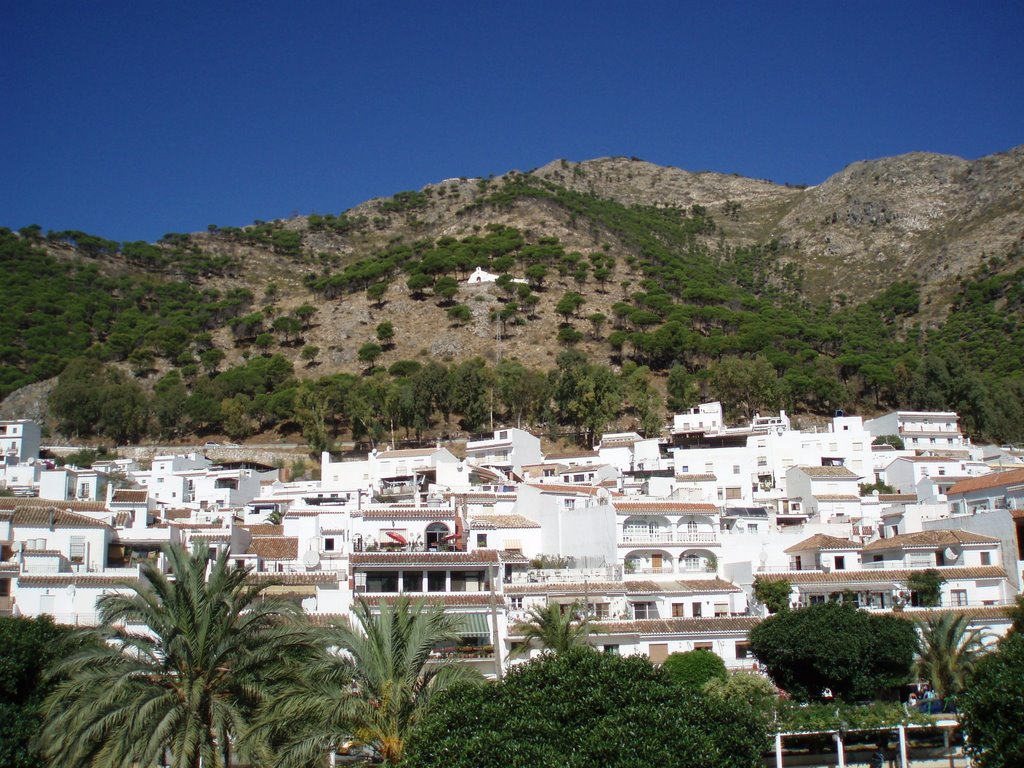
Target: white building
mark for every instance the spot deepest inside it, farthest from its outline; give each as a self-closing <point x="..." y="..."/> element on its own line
<point x="921" y="430"/>
<point x="20" y="439"/>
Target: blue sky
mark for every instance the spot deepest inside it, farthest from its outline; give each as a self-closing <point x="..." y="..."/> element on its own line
<point x="133" y="119"/>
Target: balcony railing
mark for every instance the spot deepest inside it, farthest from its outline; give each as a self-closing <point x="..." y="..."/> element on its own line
<point x="669" y="537"/>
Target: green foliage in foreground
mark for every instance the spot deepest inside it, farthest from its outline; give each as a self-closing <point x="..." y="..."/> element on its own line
<point x="27" y="647"/>
<point x="581" y="709"/>
<point x="191" y="685"/>
<point x="857" y="655"/>
<point x="376" y="693"/>
<point x="825" y="717"/>
<point x="992" y="704"/>
<point x="693" y="670"/>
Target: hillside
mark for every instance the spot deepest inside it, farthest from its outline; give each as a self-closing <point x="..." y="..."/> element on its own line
<point x="893" y="282"/>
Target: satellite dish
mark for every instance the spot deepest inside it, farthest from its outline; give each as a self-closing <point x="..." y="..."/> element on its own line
<point x="950" y="554"/>
<point x="311" y="559"/>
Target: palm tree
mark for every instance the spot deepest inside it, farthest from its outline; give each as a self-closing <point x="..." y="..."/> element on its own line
<point x="180" y="666"/>
<point x="554" y="629"/>
<point x="949" y="652"/>
<point x="374" y="692"/>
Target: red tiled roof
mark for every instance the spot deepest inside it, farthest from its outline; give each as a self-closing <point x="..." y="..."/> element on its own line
<point x="447" y="599"/>
<point x="585" y="490"/>
<point x="738" y="624"/>
<point x="504" y="521"/>
<point x="571" y="455"/>
<point x="875" y="575"/>
<point x="841" y="473"/>
<point x="407" y="453"/>
<point x="933" y="538"/>
<point x="665" y="507"/>
<point x="410" y="513"/>
<point x="275" y="547"/>
<point x="265" y="529"/>
<point x="424" y="558"/>
<point x="822" y="541"/>
<point x="298" y="579"/>
<point x="13" y="502"/>
<point x="77" y="579"/>
<point x="41" y="517"/>
<point x="994" y="480"/>
<point x="129" y="496"/>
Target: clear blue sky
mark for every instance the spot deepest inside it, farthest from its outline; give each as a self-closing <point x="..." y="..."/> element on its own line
<point x="133" y="119"/>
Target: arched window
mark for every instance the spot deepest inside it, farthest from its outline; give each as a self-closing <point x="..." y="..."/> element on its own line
<point x="436" y="534"/>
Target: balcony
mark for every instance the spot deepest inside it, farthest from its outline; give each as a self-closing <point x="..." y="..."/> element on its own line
<point x="668" y="537"/>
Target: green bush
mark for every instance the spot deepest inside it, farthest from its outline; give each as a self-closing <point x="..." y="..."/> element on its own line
<point x="991" y="706"/>
<point x="582" y="709"/>
<point x="695" y="669"/>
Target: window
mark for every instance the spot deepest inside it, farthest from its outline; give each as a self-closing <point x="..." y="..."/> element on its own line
<point x="751" y="527"/>
<point x="570" y="503"/>
<point x="743" y="651"/>
<point x="721" y="609"/>
<point x="703" y="647"/>
<point x="436" y="581"/>
<point x="986" y="558"/>
<point x="735" y="469"/>
<point x="77" y="552"/>
<point x="678" y="610"/>
<point x="657" y="652"/>
<point x="83" y="491"/>
<point x="644" y="611"/>
<point x="840" y="562"/>
<point x="697" y="610"/>
<point x="516" y="602"/>
<point x="958" y="597"/>
<point x="481" y="540"/>
<point x="734" y="493"/>
<point x="612" y="649"/>
<point x="578" y="478"/>
<point x="329" y="545"/>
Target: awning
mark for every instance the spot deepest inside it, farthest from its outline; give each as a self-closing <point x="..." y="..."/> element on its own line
<point x="475" y="625"/>
<point x="396" y="537"/>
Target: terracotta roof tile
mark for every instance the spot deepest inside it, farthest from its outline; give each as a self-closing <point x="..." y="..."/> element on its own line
<point x="897" y="497"/>
<point x="409" y="513"/>
<point x="822" y="541"/>
<point x="40" y="517"/>
<point x="477" y="557"/>
<point x="408" y="453"/>
<point x="933" y="538"/>
<point x="76" y="579"/>
<point x="738" y="624"/>
<point x="835" y="472"/>
<point x="570" y="455"/>
<point x="994" y="480"/>
<point x="275" y="547"/>
<point x="265" y="529"/>
<point x="836" y="497"/>
<point x="583" y="490"/>
<point x="699" y="478"/>
<point x="876" y="575"/>
<point x="504" y="521"/>
<point x="129" y="496"/>
<point x="448" y="599"/>
<point x="297" y="579"/>
<point x="13" y="502"/>
<point x="665" y="507"/>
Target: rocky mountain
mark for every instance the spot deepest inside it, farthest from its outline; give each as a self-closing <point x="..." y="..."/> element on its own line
<point x="661" y="267"/>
